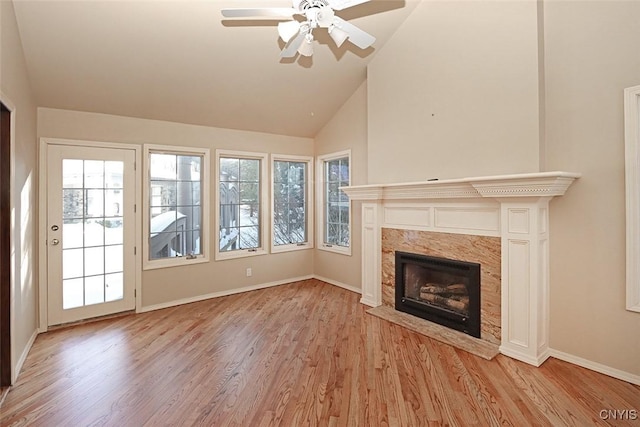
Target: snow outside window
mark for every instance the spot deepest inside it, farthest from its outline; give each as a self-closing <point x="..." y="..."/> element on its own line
<point x="240" y="204"/>
<point x="176" y="205"/>
<point x="292" y="191"/>
<point x="335" y="207"/>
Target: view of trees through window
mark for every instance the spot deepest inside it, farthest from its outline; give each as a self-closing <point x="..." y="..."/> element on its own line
<point x="174" y="207"/>
<point x="289" y="202"/>
<point x="336" y="202"/>
<point x="240" y="204"/>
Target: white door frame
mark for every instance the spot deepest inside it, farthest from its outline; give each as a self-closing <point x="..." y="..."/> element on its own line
<point x="42" y="218"/>
<point x="632" y="188"/>
<point x="12" y="241"/>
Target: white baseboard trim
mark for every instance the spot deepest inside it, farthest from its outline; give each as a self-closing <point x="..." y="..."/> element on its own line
<point x="597" y="367"/>
<point x="221" y="294"/>
<point x="339" y="284"/>
<point x="369" y="302"/>
<point x="18" y="367"/>
<point x="524" y="357"/>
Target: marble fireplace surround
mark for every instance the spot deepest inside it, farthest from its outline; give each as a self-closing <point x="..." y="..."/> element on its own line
<point x="513" y="208"/>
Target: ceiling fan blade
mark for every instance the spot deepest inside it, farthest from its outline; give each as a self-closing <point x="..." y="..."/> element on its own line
<point x="291" y="48"/>
<point x="272" y="12"/>
<point x="343" y="4"/>
<point x="360" y="38"/>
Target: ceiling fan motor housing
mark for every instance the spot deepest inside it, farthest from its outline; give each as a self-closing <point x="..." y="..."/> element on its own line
<point x="303" y="5"/>
<point x="318" y="12"/>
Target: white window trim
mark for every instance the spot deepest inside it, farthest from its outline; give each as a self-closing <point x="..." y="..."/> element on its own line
<point x="320" y="203"/>
<point x="632" y="175"/>
<point x="309" y="202"/>
<point x="264" y="200"/>
<point x="204" y="187"/>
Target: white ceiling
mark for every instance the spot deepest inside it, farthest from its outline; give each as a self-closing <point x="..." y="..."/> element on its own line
<point x="180" y="61"/>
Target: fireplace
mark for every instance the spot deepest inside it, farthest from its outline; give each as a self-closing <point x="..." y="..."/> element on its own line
<point x="514" y="209"/>
<point x="441" y="290"/>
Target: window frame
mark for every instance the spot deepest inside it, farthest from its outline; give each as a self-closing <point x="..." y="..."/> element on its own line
<point x="150" y="264"/>
<point x="632" y="180"/>
<point x="264" y="197"/>
<point x="309" y="199"/>
<point x="320" y="216"/>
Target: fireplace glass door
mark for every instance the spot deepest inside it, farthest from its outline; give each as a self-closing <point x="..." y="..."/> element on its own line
<point x="441" y="290"/>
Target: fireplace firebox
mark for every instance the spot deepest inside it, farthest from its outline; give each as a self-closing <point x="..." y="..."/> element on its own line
<point x="440" y="290"/>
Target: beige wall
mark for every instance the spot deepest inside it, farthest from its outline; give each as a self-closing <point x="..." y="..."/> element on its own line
<point x="16" y="92"/>
<point x="168" y="284"/>
<point x="592" y="52"/>
<point x="454" y="93"/>
<point x="346" y="130"/>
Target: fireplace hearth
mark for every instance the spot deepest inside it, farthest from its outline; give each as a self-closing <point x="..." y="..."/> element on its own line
<point x="441" y="290"/>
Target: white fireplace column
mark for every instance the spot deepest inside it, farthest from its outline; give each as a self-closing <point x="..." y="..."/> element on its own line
<point x="525" y="279"/>
<point x="371" y="254"/>
<point x="520" y="204"/>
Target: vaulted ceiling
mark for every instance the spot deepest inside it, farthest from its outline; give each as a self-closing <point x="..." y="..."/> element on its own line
<point x="180" y="61"/>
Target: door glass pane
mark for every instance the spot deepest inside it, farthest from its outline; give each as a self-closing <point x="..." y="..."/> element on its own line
<point x="72" y="233"/>
<point x="94" y="174"/>
<point x="73" y="173"/>
<point x="113" y="231"/>
<point x="72" y="262"/>
<point x="93" y="261"/>
<point x="72" y="203"/>
<point x="113" y="259"/>
<point x="72" y="293"/>
<point x="92" y="218"/>
<point x="113" y="174"/>
<point x="95" y="203"/>
<point x="114" y="287"/>
<point x="93" y="232"/>
<point x="93" y="290"/>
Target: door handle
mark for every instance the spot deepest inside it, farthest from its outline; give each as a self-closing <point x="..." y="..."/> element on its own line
<point x="55" y="241"/>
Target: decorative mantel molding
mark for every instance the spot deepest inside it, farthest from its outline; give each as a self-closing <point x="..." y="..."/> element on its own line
<point x="512" y="207"/>
<point x="542" y="184"/>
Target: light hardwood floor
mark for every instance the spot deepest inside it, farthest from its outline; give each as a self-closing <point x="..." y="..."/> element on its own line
<point x="294" y="355"/>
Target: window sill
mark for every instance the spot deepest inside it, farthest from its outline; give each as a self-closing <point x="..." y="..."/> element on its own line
<point x="291" y="248"/>
<point x="335" y="249"/>
<point x="174" y="262"/>
<point x="221" y="256"/>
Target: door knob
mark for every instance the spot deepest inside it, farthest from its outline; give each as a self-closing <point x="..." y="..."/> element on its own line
<point x="55" y="241"/>
<point x="54" y="227"/>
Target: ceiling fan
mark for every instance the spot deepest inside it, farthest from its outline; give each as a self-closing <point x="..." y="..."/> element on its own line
<point x="298" y="35"/>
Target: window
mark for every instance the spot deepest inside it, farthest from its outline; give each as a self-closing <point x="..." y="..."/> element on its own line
<point x="176" y="206"/>
<point x="334" y="213"/>
<point x="241" y="196"/>
<point x="632" y="171"/>
<point x="292" y="192"/>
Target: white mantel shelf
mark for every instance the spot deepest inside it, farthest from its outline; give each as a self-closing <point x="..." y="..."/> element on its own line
<point x="512" y="207"/>
<point x="540" y="184"/>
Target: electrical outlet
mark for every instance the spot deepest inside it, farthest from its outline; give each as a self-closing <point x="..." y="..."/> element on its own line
<point x="249" y="272"/>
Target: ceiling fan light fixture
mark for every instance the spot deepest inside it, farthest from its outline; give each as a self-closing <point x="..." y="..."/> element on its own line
<point x="306" y="48"/>
<point x="306" y="16"/>
<point x="288" y="29"/>
<point x="338" y="34"/>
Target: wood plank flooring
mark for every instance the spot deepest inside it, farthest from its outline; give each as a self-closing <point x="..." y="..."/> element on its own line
<point x="302" y="354"/>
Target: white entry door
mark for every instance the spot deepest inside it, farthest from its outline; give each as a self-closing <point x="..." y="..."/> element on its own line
<point x="90" y="232"/>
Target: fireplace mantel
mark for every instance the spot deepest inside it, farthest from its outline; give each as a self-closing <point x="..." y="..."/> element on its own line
<point x="518" y="185"/>
<point x="512" y="207"/>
